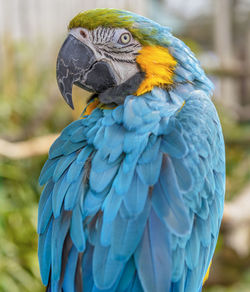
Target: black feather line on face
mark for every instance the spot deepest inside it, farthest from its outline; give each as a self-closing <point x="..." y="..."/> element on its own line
<point x="119" y="60"/>
<point x="117" y="51"/>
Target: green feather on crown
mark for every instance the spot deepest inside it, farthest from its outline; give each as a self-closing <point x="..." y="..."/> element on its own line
<point x="142" y="29"/>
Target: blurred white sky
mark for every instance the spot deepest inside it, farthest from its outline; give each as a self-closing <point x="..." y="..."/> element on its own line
<point x="189" y="8"/>
<point x="49" y="18"/>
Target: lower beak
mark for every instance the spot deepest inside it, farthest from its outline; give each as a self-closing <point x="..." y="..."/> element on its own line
<point x="77" y="64"/>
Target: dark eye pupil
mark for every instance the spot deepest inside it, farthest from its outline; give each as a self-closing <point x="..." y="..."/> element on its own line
<point x="124" y="38"/>
<point x="83" y="34"/>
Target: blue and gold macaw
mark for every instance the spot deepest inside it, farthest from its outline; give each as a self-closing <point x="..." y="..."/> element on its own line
<point x="134" y="189"/>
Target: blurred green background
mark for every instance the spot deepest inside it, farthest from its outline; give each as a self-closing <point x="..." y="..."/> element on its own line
<point x="31" y="33"/>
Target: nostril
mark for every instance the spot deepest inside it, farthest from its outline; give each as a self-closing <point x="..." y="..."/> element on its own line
<point x="83" y="33"/>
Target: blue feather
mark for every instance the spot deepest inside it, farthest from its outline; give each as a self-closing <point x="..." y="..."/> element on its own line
<point x="56" y="286"/>
<point x="44" y="253"/>
<point x="153" y="257"/>
<point x="74" y="192"/>
<point x="152" y="118"/>
<point x="59" y="192"/>
<point x="192" y="280"/>
<point x="62" y="165"/>
<point x="112" y="143"/>
<point x="203" y="148"/>
<point x="183" y="73"/>
<point x="78" y="135"/>
<point x="204" y="210"/>
<point x="100" y="180"/>
<point x="149" y="172"/>
<point x="179" y="285"/>
<point x="45" y="216"/>
<point x="127" y="234"/>
<point x="93" y="202"/>
<point x="106" y="233"/>
<point x="136" y="285"/>
<point x="151" y="151"/>
<point x="135" y="198"/>
<point x="71" y="128"/>
<point x="60" y="229"/>
<point x="46" y="193"/>
<point x="93" y="230"/>
<point x="76" y="229"/>
<point x="123" y="178"/>
<point x="204" y="231"/>
<point x="114" y="135"/>
<point x="178" y="262"/>
<point x="108" y="119"/>
<point x="210" y="178"/>
<point x="117" y="114"/>
<point x="99" y="137"/>
<point x="127" y="276"/>
<point x="91" y="132"/>
<point x="183" y="175"/>
<point x="106" y="270"/>
<point x="88" y="120"/>
<point x="193" y="249"/>
<point x="69" y="275"/>
<point x="87" y="276"/>
<point x="214" y="218"/>
<point x="134" y="142"/>
<point x="130" y="119"/>
<point x="168" y="202"/>
<point x="101" y="173"/>
<point x="174" y="145"/>
<point x="74" y="171"/>
<point x="57" y="148"/>
<point x="100" y="164"/>
<point x="70" y="147"/>
<point x="47" y="171"/>
<point x="111" y="205"/>
<point x="140" y="107"/>
<point x="84" y="154"/>
<point x="148" y="128"/>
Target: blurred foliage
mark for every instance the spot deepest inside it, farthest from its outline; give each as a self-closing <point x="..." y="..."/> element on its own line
<point x="242" y="286"/>
<point x="30" y="105"/>
<point x="24" y="85"/>
<point x="237" y="138"/>
<point x="19" y="195"/>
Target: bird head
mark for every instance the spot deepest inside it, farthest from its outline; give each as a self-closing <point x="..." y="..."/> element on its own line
<point x="115" y="53"/>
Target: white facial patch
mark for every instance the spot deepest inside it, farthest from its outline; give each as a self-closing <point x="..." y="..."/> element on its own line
<point x="115" y="46"/>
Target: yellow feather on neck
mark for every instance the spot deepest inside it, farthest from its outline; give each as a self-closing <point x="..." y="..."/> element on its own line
<point x="158" y="64"/>
<point x="207" y="273"/>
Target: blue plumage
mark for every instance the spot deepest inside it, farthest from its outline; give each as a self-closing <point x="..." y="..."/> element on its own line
<point x="134" y="195"/>
<point x="44" y="253"/>
<point x="76" y="230"/>
<point x="153" y="256"/>
<point x="168" y="203"/>
<point x="45" y="196"/>
<point x="69" y="276"/>
<point x="119" y="188"/>
<point x="60" y="226"/>
<point x="58" y="195"/>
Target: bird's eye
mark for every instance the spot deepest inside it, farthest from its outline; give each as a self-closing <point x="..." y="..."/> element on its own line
<point x="83" y="34"/>
<point x="124" y="38"/>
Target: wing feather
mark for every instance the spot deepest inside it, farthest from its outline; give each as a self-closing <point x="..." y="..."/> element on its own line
<point x="153" y="256"/>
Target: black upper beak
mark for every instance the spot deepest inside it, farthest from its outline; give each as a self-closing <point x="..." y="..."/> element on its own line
<point x="77" y="64"/>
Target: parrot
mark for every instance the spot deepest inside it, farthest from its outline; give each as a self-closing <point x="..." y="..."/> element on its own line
<point x="134" y="189"/>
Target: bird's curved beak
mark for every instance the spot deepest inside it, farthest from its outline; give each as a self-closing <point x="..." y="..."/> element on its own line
<point x="77" y="64"/>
